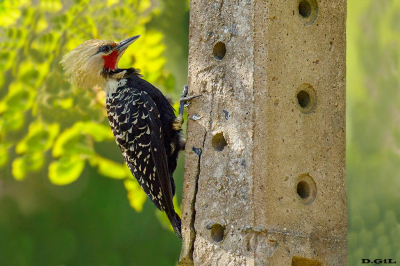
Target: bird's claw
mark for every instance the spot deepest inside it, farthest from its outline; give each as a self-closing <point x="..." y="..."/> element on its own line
<point x="188" y="98"/>
<point x="185" y="91"/>
<point x="184" y="100"/>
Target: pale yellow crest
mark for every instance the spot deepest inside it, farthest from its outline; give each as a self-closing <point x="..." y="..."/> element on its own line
<point x="84" y="64"/>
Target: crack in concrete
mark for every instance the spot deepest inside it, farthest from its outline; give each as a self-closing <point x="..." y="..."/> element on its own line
<point x="193" y="205"/>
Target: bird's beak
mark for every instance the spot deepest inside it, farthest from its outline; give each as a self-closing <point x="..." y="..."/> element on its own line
<point x="122" y="45"/>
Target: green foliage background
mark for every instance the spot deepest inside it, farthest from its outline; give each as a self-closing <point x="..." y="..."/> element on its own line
<point x="59" y="204"/>
<point x="373" y="129"/>
<point x="59" y="201"/>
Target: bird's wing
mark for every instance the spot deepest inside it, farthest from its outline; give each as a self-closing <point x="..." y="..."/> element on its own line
<point x="136" y="125"/>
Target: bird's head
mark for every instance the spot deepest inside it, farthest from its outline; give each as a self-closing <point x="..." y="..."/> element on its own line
<point x="88" y="64"/>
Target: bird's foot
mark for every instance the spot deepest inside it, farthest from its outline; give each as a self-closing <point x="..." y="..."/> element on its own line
<point x="185" y="100"/>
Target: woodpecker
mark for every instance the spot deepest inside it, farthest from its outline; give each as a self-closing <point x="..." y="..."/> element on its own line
<point x="142" y="119"/>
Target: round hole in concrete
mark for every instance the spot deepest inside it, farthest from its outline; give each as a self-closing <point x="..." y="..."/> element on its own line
<point x="308" y="10"/>
<point x="219" y="51"/>
<point x="218" y="141"/>
<point x="306" y="98"/>
<point x="303" y="189"/>
<point x="303" y="98"/>
<point x="304" y="8"/>
<point x="306" y="189"/>
<point x="300" y="261"/>
<point x="217" y="232"/>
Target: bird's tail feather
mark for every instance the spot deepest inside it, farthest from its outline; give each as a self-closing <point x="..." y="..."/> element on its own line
<point x="175" y="221"/>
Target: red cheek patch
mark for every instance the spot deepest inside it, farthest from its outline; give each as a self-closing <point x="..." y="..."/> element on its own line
<point x="110" y="61"/>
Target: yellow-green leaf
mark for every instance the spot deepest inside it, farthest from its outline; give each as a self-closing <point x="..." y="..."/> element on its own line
<point x="3" y="154"/>
<point x="73" y="141"/>
<point x="12" y="121"/>
<point x="66" y="103"/>
<point x="26" y="163"/>
<point x="18" y="169"/>
<point x="66" y="170"/>
<point x="99" y="132"/>
<point x="18" y="98"/>
<point x="136" y="195"/>
<point x="110" y="168"/>
<point x="39" y="138"/>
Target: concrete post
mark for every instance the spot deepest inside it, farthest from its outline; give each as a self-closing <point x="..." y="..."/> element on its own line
<point x="265" y="156"/>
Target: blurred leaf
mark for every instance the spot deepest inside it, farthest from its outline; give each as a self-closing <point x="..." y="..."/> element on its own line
<point x="66" y="170"/>
<point x="109" y="168"/>
<point x="143" y="6"/>
<point x="9" y="15"/>
<point x="17" y="99"/>
<point x="111" y="2"/>
<point x="66" y="103"/>
<point x="29" y="162"/>
<point x="3" y="154"/>
<point x="18" y="169"/>
<point x="99" y="132"/>
<point x="41" y="24"/>
<point x="136" y="195"/>
<point x="12" y="121"/>
<point x="50" y="5"/>
<point x="39" y="138"/>
<point x="73" y="141"/>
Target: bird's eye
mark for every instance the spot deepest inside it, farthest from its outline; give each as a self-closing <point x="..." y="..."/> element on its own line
<point x="105" y="48"/>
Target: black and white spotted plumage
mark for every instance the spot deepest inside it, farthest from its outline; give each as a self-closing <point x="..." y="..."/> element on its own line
<point x="141" y="119"/>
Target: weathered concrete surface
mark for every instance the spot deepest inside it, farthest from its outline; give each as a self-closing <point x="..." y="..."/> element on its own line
<point x="275" y="193"/>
